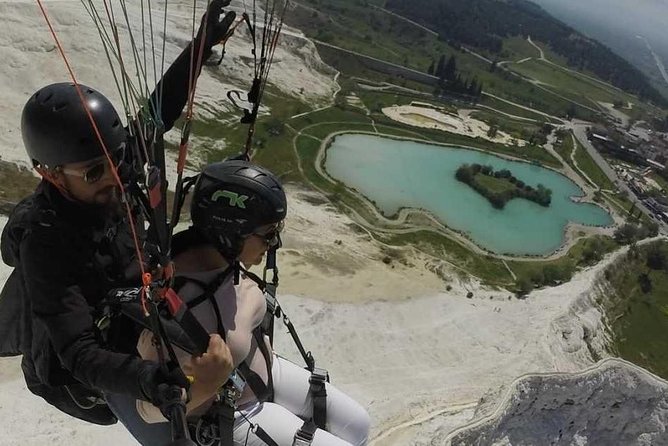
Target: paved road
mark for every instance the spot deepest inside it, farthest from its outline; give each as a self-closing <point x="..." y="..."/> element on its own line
<point x="579" y="130"/>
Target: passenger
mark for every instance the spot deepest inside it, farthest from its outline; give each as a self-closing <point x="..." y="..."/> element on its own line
<point x="237" y="215"/>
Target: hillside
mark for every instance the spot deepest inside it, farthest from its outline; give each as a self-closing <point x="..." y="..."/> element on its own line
<point x="475" y="24"/>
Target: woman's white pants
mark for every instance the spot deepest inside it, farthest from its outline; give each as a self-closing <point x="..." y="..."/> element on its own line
<point x="347" y="422"/>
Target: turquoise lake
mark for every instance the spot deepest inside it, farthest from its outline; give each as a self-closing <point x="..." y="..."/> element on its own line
<point x="397" y="174"/>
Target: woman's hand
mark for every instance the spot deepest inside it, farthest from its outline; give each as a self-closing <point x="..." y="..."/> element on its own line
<point x="214" y="367"/>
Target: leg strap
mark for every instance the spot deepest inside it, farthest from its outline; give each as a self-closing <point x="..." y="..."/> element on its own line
<point x="319" y="393"/>
<point x="305" y="434"/>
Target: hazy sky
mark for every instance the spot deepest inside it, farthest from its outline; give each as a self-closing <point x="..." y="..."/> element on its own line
<point x="617" y="22"/>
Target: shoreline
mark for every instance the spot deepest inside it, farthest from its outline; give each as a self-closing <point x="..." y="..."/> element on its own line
<point x="568" y="235"/>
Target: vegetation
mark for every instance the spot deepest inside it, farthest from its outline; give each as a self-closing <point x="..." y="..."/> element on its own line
<point x="354" y="26"/>
<point x="636" y="304"/>
<point x="587" y="164"/>
<point x="586" y="252"/>
<point x="17" y="183"/>
<point x="499" y="187"/>
<point x="450" y="80"/>
<point x="475" y="23"/>
<point x="632" y="232"/>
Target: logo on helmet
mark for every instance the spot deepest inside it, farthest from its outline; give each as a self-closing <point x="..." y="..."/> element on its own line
<point x="236" y="200"/>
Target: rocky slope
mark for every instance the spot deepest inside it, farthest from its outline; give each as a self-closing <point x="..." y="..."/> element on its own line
<point x="614" y="402"/>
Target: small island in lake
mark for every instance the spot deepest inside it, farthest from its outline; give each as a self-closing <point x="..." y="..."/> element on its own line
<point x="499" y="187"/>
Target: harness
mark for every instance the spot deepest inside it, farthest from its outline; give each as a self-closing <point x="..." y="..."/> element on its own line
<point x="217" y="425"/>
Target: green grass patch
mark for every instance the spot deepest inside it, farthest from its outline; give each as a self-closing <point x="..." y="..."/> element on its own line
<point x="661" y="181"/>
<point x="513" y="110"/>
<point x="589" y="167"/>
<point x="516" y="128"/>
<point x="516" y="48"/>
<point x="576" y="87"/>
<point x="17" y="183"/>
<point x="564" y="147"/>
<point x="585" y="252"/>
<point x="496" y="185"/>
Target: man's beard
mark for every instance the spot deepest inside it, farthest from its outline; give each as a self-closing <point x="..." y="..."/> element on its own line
<point x="109" y="201"/>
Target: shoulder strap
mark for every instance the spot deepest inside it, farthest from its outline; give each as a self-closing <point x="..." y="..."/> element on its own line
<point x="263" y="392"/>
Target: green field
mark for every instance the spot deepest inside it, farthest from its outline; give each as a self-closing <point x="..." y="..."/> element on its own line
<point x="589" y="167"/>
<point x="576" y="87"/>
<point x="357" y="27"/>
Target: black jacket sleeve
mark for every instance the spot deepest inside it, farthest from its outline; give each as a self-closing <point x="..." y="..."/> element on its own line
<point x="52" y="270"/>
<point x="175" y="83"/>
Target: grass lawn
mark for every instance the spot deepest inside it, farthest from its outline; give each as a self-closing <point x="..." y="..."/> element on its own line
<point x="589" y="167"/>
<point x="496" y="185"/>
<point x="570" y="84"/>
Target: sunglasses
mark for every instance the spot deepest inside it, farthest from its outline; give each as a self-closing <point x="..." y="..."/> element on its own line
<point x="271" y="237"/>
<point x="95" y="172"/>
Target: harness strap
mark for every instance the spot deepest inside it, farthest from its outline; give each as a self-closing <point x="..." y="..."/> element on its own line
<point x="304" y="436"/>
<point x="264" y="436"/>
<point x="319" y="392"/>
<point x="263" y="392"/>
<point x="225" y="414"/>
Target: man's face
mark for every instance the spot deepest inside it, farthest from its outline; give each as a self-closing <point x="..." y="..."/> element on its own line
<point x="89" y="182"/>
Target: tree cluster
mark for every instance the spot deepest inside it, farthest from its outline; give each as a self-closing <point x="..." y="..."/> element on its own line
<point x="450" y="80"/>
<point x="467" y="174"/>
<point x="630" y="233"/>
<point x="485" y="23"/>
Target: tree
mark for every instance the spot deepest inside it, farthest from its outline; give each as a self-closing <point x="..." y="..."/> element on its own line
<point x="593" y="251"/>
<point x="555" y="274"/>
<point x="524" y="286"/>
<point x="656" y="257"/>
<point x="492" y="132"/>
<point x="440" y="68"/>
<point x="645" y="283"/>
<point x="450" y="70"/>
<point x="652" y="228"/>
<point x="431" y="68"/>
<point x="275" y="127"/>
<point x="626" y="234"/>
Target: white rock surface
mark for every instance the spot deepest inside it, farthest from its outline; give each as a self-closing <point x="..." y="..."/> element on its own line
<point x="30" y="60"/>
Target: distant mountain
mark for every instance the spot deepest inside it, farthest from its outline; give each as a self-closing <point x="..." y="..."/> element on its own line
<point x="485" y="23"/>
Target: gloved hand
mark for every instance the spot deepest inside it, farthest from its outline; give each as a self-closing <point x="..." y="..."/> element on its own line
<point x="213" y="27"/>
<point x="156" y="384"/>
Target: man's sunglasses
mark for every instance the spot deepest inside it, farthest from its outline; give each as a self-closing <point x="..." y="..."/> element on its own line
<point x="272" y="237"/>
<point x="95" y="172"/>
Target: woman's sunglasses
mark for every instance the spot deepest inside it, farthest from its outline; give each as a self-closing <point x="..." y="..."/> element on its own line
<point x="95" y="172"/>
<point x="272" y="237"/>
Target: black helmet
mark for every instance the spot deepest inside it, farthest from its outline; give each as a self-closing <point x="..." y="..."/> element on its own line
<point x="234" y="198"/>
<point x="57" y="130"/>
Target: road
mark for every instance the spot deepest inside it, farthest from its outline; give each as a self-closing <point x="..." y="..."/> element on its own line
<point x="580" y="131"/>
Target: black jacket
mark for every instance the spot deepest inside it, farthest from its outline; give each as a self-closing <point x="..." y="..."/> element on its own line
<point x="49" y="307"/>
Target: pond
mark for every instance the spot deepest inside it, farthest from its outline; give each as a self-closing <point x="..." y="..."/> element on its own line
<point x="399" y="174"/>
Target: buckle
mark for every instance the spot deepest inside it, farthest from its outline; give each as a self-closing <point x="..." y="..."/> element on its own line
<point x="302" y="438"/>
<point x="319" y="376"/>
<point x="233" y="388"/>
